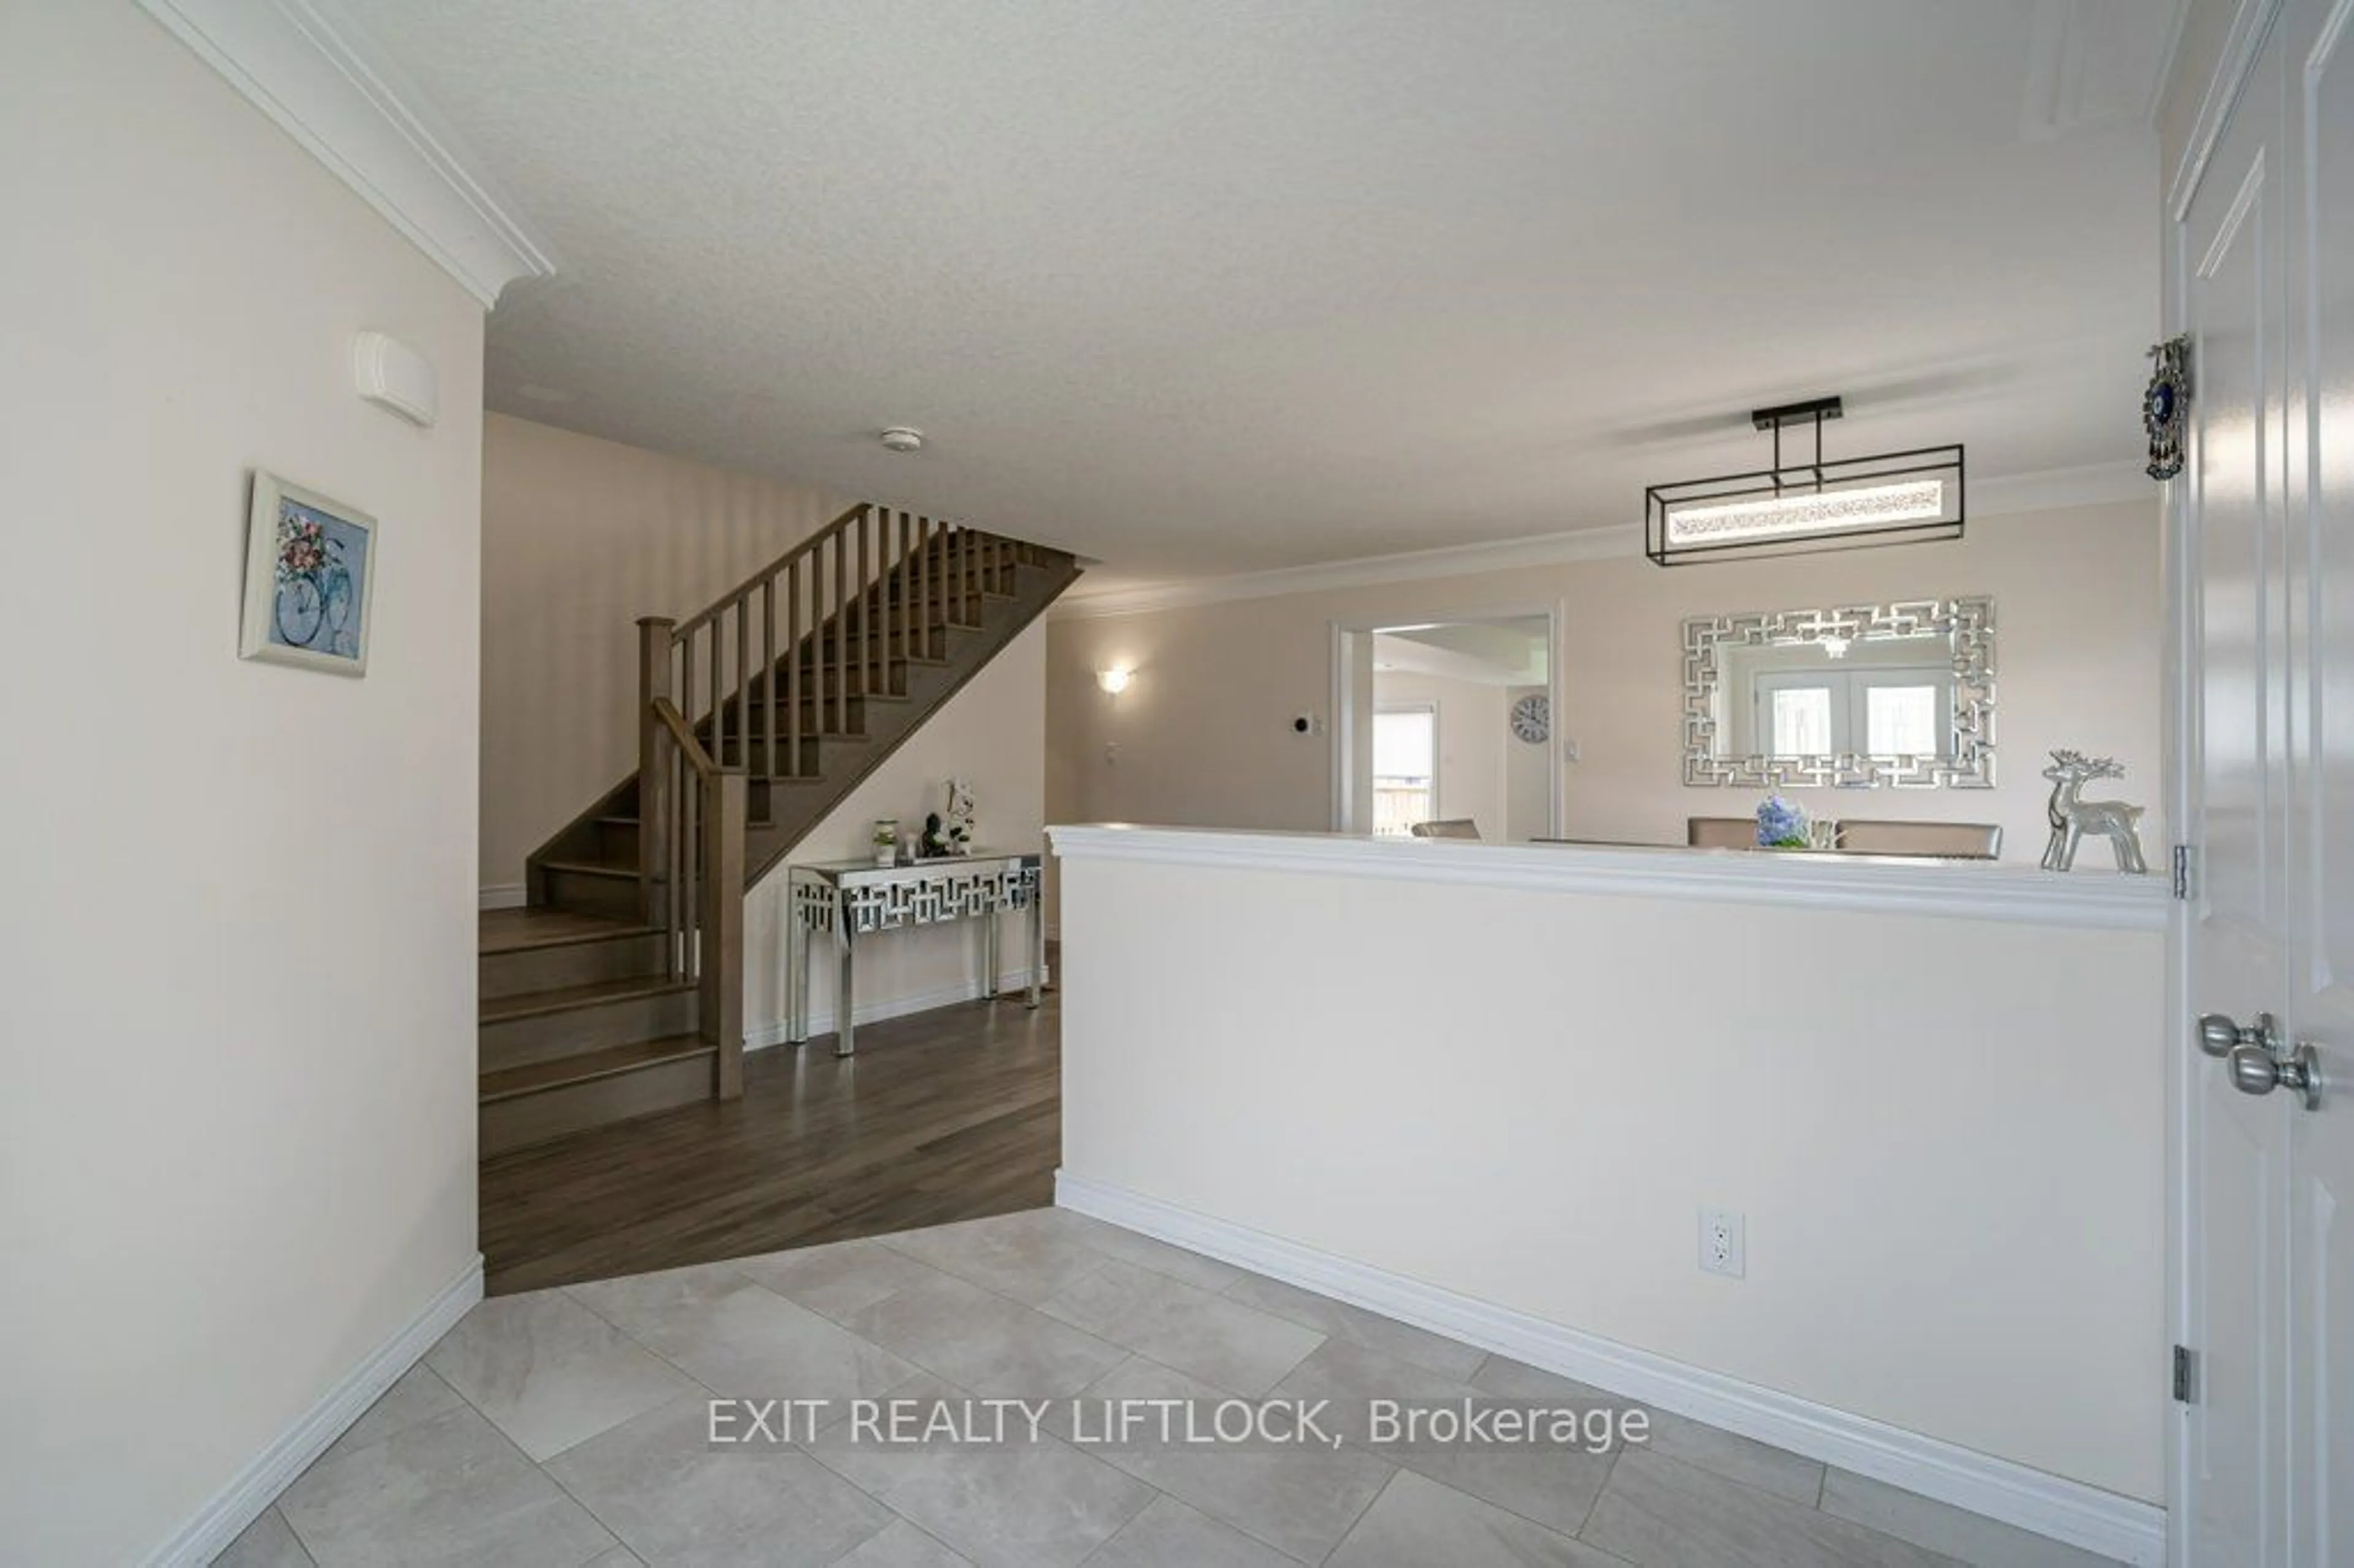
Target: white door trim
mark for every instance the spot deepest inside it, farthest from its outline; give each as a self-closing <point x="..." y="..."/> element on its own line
<point x="1346" y="629"/>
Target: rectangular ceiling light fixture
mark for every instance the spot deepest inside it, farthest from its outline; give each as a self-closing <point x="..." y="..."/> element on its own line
<point x="1799" y="508"/>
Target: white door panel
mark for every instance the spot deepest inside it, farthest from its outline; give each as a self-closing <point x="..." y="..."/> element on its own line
<point x="2320" y="514"/>
<point x="2263" y="261"/>
<point x="2244" y="767"/>
<point x="2235" y="1469"/>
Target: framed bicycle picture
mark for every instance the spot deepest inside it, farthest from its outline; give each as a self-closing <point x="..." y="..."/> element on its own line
<point x="310" y="568"/>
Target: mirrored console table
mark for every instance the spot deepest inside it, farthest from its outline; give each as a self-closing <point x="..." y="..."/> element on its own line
<point x="852" y="900"/>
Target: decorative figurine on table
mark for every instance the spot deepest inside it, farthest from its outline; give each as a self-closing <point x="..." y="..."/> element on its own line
<point x="950" y="833"/>
<point x="959" y="822"/>
<point x="2072" y="818"/>
<point x="1782" y="824"/>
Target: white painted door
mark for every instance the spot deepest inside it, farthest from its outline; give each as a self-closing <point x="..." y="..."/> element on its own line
<point x="2319" y="95"/>
<point x="2263" y="259"/>
<point x="2229" y="243"/>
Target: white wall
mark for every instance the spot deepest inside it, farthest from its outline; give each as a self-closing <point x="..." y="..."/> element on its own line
<point x="994" y="733"/>
<point x="1945" y="1132"/>
<point x="581" y="537"/>
<point x="237" y="1148"/>
<point x="1205" y="733"/>
<point x="1528" y="778"/>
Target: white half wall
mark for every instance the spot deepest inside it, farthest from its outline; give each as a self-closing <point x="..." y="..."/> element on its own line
<point x="237" y="1149"/>
<point x="1516" y="1074"/>
<point x="994" y="733"/>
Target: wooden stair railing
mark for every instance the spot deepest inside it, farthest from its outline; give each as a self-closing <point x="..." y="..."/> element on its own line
<point x="619" y="991"/>
<point x="868" y="586"/>
<point x="702" y="914"/>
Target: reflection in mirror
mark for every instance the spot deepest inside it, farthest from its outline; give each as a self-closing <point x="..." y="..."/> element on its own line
<point x="1857" y="695"/>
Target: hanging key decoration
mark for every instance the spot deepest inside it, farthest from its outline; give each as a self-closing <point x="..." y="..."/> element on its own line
<point x="2166" y="407"/>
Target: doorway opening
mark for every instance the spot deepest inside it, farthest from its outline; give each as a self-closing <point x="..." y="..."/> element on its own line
<point x="1445" y="727"/>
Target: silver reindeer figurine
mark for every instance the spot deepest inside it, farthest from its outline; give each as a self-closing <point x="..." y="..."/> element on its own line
<point x="2072" y="818"/>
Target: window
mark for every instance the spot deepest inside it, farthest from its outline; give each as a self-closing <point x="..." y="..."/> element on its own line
<point x="1902" y="721"/>
<point x="1801" y="724"/>
<point x="1876" y="713"/>
<point x="1405" y="769"/>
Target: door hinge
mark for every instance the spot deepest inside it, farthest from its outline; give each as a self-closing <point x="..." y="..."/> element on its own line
<point x="2186" y="1375"/>
<point x="2183" y="871"/>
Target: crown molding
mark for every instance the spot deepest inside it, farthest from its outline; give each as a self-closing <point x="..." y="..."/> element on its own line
<point x="1411" y="566"/>
<point x="2052" y="489"/>
<point x="2095" y="485"/>
<point x="322" y="83"/>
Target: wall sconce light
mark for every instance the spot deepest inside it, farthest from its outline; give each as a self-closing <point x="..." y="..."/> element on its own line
<point x="1114" y="680"/>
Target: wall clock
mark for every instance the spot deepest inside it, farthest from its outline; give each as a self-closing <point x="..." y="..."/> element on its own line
<point x="1533" y="718"/>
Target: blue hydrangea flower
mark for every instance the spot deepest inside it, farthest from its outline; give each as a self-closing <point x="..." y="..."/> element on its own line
<point x="1781" y="824"/>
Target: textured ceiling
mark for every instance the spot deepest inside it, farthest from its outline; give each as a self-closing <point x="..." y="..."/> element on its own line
<point x="1207" y="286"/>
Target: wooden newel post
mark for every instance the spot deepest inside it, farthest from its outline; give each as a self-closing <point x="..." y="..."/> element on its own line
<point x="726" y="807"/>
<point x="653" y="767"/>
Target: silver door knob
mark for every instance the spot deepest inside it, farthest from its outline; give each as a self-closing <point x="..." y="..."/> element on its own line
<point x="2256" y="1071"/>
<point x="2218" y="1035"/>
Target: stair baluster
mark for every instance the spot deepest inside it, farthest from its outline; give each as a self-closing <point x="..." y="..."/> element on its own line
<point x="707" y="914"/>
<point x="633" y="1002"/>
<point x="844" y="648"/>
<point x="655" y="780"/>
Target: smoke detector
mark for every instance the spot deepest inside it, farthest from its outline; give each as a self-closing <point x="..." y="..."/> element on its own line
<point x="900" y="439"/>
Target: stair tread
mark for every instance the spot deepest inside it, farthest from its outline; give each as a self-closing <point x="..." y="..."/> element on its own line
<point x="522" y="931"/>
<point x="811" y="699"/>
<point x="760" y="741"/>
<point x="562" y="998"/>
<point x="589" y="868"/>
<point x="587" y="1065"/>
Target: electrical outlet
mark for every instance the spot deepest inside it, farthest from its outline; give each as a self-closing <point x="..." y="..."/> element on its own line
<point x="1723" y="1242"/>
<point x="1111" y="751"/>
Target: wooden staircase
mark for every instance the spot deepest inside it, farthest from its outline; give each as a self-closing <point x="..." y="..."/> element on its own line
<point x="619" y="991"/>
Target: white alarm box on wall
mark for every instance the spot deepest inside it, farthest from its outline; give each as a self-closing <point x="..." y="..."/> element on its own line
<point x="391" y="374"/>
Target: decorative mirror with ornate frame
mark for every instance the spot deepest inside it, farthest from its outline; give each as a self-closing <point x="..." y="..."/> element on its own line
<point x="1854" y="696"/>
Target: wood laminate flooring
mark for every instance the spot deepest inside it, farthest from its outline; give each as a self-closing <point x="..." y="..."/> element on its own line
<point x="948" y="1115"/>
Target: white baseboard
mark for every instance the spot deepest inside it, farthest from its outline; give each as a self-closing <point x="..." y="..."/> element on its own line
<point x="240" y="1503"/>
<point x="2083" y="1516"/>
<point x="505" y="895"/>
<point x="875" y="1010"/>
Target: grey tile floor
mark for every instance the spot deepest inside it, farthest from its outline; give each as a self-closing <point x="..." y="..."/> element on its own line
<point x="571" y="1427"/>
